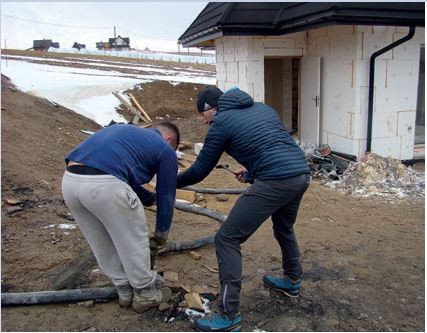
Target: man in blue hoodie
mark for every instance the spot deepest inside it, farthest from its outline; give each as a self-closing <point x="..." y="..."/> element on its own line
<point x="254" y="136"/>
<point x="102" y="187"/>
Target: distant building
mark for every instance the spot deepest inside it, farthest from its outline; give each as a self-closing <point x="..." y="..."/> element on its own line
<point x="78" y="46"/>
<point x="103" y="46"/>
<point x="44" y="44"/>
<point x="118" y="44"/>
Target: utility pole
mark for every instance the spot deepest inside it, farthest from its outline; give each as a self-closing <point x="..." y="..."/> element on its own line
<point x="114" y="38"/>
<point x="5" y="48"/>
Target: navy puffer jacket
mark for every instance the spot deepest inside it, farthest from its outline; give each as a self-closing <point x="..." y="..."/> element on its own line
<point x="251" y="133"/>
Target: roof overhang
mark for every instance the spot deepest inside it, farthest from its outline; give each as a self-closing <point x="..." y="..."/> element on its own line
<point x="218" y="19"/>
<point x="203" y="39"/>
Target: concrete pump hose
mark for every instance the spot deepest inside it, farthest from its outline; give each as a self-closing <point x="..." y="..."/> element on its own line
<point x="58" y="296"/>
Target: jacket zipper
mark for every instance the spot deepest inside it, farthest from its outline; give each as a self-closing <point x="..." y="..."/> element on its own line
<point x="223" y="299"/>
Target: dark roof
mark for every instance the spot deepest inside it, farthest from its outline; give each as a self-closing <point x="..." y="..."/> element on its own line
<point x="113" y="41"/>
<point x="42" y="43"/>
<point x="78" y="46"/>
<point x="280" y="18"/>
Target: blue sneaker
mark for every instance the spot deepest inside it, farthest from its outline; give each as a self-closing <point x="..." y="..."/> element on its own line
<point x="218" y="323"/>
<point x="283" y="285"/>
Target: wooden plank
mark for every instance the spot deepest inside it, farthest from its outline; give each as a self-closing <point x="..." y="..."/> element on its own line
<point x="180" y="194"/>
<point x="130" y="107"/>
<point x="150" y="187"/>
<point x="140" y="107"/>
<point x="185" y="144"/>
<point x="194" y="301"/>
<point x="186" y="195"/>
<point x="213" y="270"/>
<point x="195" y="255"/>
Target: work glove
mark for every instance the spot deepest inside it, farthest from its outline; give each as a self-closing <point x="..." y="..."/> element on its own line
<point x="158" y="239"/>
<point x="241" y="175"/>
<point x="149" y="199"/>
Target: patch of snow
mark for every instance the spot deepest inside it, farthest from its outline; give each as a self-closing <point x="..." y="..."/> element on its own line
<point x="67" y="226"/>
<point x="207" y="59"/>
<point x="84" y="90"/>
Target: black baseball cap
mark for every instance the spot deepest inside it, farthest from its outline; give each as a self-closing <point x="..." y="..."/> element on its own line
<point x="208" y="98"/>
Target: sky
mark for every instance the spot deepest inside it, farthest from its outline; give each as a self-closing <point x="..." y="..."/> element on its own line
<point x="156" y="25"/>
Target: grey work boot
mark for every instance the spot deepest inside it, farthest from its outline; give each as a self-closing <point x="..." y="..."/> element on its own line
<point x="144" y="299"/>
<point x="125" y="295"/>
<point x="159" y="281"/>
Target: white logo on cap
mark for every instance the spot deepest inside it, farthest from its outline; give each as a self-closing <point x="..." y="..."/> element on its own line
<point x="207" y="107"/>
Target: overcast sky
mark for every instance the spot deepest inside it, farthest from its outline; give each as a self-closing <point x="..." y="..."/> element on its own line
<point x="156" y="25"/>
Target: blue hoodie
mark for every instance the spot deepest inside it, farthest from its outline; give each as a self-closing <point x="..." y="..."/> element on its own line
<point x="253" y="134"/>
<point x="134" y="155"/>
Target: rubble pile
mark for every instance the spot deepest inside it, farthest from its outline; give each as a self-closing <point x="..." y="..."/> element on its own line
<point x="379" y="176"/>
<point x="324" y="162"/>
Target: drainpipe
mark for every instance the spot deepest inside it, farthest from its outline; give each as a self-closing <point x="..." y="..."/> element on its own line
<point x="372" y="78"/>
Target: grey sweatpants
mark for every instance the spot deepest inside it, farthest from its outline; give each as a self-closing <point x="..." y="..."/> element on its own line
<point x="279" y="199"/>
<point x="112" y="219"/>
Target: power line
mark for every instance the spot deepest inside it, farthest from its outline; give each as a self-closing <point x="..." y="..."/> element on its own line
<point x="139" y="35"/>
<point x="80" y="26"/>
<point x="55" y="24"/>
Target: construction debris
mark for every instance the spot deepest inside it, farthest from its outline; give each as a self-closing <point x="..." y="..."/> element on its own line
<point x="13" y="210"/>
<point x="327" y="164"/>
<point x="186" y="195"/>
<point x="195" y="255"/>
<point x="194" y="302"/>
<point x="222" y="197"/>
<point x="375" y="176"/>
<point x="210" y="269"/>
<point x="379" y="176"/>
<point x="174" y="309"/>
<point x="198" y="147"/>
<point x="13" y="202"/>
<point x="139" y="107"/>
<point x="136" y="112"/>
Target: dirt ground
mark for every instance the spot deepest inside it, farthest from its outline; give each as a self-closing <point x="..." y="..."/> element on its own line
<point x="363" y="259"/>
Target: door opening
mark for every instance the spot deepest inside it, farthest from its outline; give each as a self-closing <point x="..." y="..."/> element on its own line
<point x="419" y="140"/>
<point x="420" y="116"/>
<point x="281" y="86"/>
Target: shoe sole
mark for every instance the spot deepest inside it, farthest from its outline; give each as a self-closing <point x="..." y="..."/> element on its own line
<point x="281" y="291"/>
<point x="125" y="303"/>
<point x="237" y="328"/>
<point x="144" y="307"/>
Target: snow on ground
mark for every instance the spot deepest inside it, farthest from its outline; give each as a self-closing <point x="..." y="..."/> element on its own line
<point x="116" y="65"/>
<point x="86" y="91"/>
<point x="202" y="59"/>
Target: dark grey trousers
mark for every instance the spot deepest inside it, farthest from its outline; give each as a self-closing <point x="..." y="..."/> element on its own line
<point x="279" y="199"/>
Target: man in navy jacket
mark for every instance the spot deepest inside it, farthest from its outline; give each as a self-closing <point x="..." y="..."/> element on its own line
<point x="102" y="187"/>
<point x="253" y="135"/>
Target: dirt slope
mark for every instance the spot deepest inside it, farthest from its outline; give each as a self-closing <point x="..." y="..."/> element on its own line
<point x="363" y="259"/>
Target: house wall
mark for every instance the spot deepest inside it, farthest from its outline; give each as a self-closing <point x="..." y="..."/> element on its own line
<point x="240" y="59"/>
<point x="344" y="53"/>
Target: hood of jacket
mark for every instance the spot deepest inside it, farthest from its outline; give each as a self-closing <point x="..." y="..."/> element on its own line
<point x="234" y="99"/>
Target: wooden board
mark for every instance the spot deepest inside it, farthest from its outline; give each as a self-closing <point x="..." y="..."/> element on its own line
<point x="186" y="195"/>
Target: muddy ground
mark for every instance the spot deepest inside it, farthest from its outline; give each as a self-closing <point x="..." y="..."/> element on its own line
<point x="364" y="259"/>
